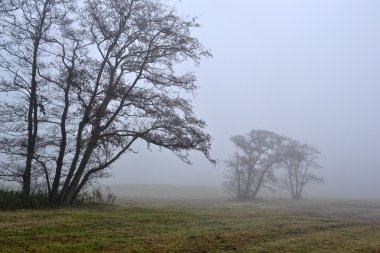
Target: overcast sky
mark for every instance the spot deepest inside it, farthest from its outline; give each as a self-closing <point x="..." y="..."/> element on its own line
<point x="309" y="70"/>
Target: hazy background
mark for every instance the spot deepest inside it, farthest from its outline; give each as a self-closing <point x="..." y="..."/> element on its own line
<point x="305" y="69"/>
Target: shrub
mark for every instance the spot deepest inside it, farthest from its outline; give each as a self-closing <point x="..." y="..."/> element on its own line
<point x="12" y="199"/>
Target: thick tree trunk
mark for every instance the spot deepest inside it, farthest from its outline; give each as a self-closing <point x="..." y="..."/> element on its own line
<point x="69" y="197"/>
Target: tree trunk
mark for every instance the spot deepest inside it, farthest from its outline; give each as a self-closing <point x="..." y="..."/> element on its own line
<point x="53" y="196"/>
<point x="33" y="104"/>
<point x="32" y="125"/>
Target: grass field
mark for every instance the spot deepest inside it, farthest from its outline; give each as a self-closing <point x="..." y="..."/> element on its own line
<point x="197" y="226"/>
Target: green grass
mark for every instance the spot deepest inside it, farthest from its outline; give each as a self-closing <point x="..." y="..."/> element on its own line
<point x="226" y="227"/>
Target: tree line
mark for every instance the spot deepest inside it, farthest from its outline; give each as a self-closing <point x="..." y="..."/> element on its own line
<point x="261" y="156"/>
<point x="84" y="81"/>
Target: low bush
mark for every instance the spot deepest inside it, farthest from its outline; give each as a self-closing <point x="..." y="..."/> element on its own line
<point x="13" y="199"/>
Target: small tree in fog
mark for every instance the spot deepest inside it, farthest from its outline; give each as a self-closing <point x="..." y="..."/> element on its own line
<point x="299" y="160"/>
<point x="253" y="165"/>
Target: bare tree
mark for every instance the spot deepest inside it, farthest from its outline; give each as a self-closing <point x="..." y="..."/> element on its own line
<point x="253" y="168"/>
<point x="109" y="80"/>
<point x="299" y="161"/>
<point x="25" y="27"/>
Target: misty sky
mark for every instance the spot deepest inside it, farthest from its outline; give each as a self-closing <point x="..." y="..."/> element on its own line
<point x="305" y="69"/>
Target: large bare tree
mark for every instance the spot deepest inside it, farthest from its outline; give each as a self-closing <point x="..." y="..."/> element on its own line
<point x="107" y="79"/>
<point x="253" y="165"/>
<point x="299" y="161"/>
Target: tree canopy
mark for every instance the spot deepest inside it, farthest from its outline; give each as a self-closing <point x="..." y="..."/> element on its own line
<point x="259" y="157"/>
<point x="85" y="81"/>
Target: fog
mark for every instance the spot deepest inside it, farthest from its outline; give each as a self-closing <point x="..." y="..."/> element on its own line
<point x="308" y="70"/>
<point x="304" y="69"/>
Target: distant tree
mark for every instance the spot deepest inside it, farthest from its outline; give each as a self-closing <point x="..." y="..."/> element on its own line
<point x="104" y="78"/>
<point x="299" y="160"/>
<point x="253" y="165"/>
